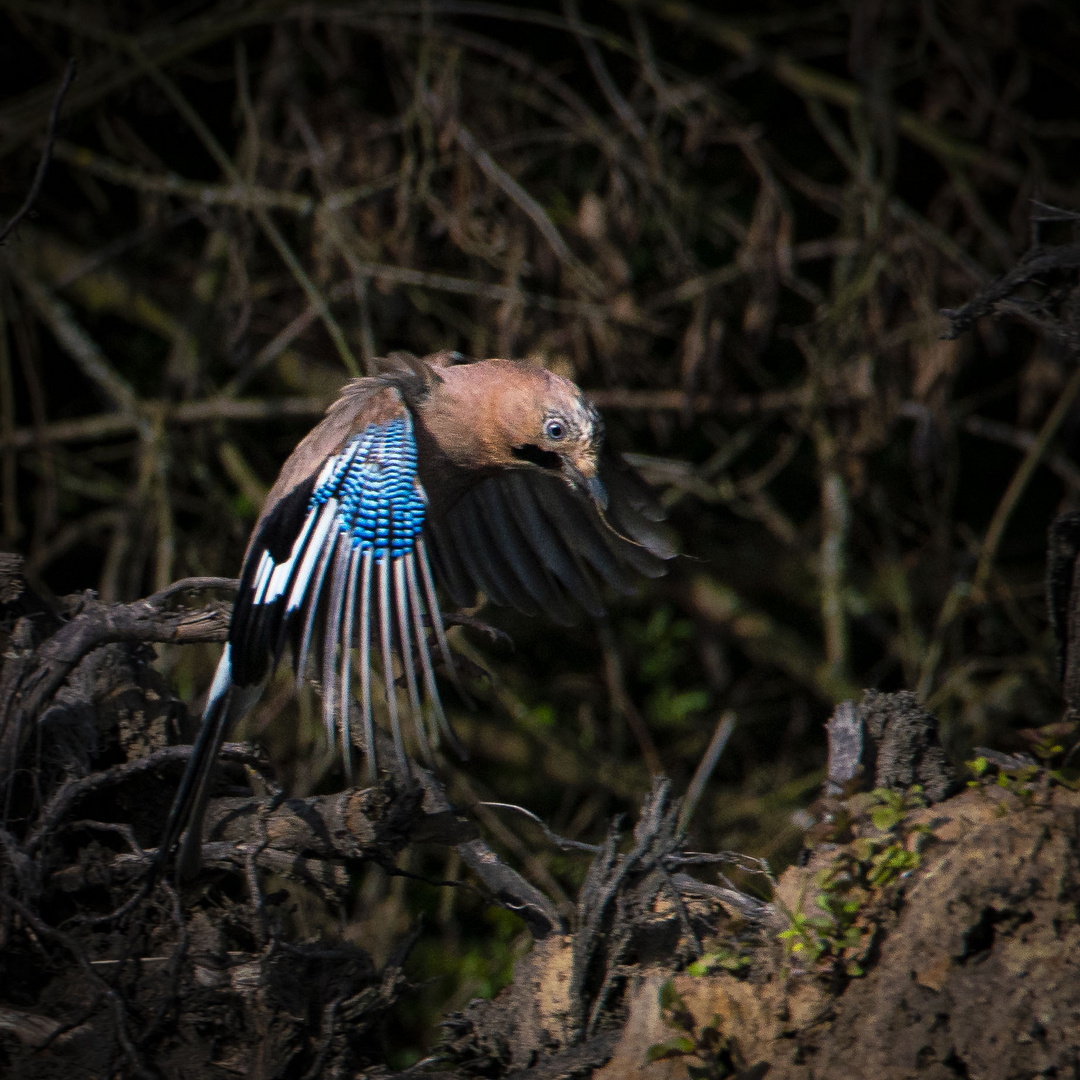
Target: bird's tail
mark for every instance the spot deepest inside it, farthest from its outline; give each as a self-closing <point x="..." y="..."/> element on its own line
<point x="225" y="704"/>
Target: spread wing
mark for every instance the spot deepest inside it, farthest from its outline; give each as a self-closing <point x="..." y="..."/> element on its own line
<point x="338" y="558"/>
<point x="529" y="541"/>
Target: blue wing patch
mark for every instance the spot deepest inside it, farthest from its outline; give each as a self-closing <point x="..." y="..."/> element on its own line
<point x="379" y="501"/>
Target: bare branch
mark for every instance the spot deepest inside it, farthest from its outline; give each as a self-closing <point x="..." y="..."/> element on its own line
<point x="43" y="164"/>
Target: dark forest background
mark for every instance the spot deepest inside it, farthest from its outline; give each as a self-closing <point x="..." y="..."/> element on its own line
<point x="735" y="225"/>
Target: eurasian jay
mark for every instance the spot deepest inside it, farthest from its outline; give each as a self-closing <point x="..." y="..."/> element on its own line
<point x="487" y="476"/>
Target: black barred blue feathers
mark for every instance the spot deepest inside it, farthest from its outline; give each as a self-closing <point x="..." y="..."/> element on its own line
<point x="484" y="477"/>
<point x="378" y="500"/>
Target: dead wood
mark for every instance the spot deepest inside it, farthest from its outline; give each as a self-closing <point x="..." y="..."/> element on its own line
<point x="96" y="966"/>
<point x="217" y="981"/>
<point x="97" y="963"/>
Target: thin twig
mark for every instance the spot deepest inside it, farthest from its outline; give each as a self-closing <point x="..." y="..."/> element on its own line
<point x="562" y="842"/>
<point x="74" y="948"/>
<point x="985" y="428"/>
<point x="43" y="164"/>
<point x="996" y="529"/>
<point x="1034" y="264"/>
<point x="622" y="702"/>
<point x="532" y="209"/>
<point x="600" y="72"/>
<point x="261" y="214"/>
<point x="246" y="196"/>
<point x="106" y="425"/>
<point x="224" y="407"/>
<point x="191" y="584"/>
<point x="69" y="793"/>
<point x="724" y="727"/>
<point x="833" y="568"/>
<point x="76" y="342"/>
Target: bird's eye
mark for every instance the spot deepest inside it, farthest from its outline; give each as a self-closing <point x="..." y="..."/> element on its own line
<point x="555" y="430"/>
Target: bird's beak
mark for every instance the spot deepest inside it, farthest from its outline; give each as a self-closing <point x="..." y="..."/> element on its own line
<point x="584" y="476"/>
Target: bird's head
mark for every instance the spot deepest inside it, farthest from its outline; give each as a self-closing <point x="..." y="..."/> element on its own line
<point x="518" y="416"/>
<point x="559" y="430"/>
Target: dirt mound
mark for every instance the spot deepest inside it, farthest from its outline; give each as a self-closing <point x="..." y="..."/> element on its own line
<point x="967" y="964"/>
<point x="921" y="936"/>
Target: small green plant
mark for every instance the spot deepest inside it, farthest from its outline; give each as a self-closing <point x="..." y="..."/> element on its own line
<point x="978" y="767"/>
<point x="1019" y="781"/>
<point x="831" y="930"/>
<point x="891" y="806"/>
<point x="802" y="938"/>
<point x="721" y="959"/>
<point x="890" y="864"/>
<point x="712" y="1049"/>
<point x="1048" y="743"/>
<point x="836" y="932"/>
<point x="1055" y="746"/>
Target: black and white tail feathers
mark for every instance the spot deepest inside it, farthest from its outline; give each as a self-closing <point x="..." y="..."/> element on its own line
<point x="226" y="704"/>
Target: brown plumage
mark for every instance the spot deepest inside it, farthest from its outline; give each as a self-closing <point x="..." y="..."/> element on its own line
<point x="486" y="477"/>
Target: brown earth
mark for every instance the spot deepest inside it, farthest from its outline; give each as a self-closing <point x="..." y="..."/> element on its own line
<point x="972" y="965"/>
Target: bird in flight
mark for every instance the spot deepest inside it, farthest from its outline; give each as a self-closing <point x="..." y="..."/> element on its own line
<point x="487" y="476"/>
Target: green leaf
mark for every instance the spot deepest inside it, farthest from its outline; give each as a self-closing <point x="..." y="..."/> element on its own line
<point x="886" y="817"/>
<point x="669" y="996"/>
<point x="676" y="1046"/>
